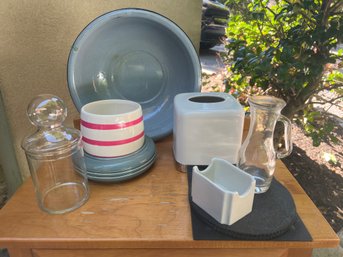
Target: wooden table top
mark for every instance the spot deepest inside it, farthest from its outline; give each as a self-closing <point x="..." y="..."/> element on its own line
<point x="150" y="211"/>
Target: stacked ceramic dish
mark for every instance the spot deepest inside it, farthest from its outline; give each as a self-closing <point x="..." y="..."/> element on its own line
<point x="123" y="167"/>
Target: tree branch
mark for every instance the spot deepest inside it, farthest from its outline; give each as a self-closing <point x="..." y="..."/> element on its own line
<point x="279" y="30"/>
<point x="260" y="30"/>
<point x="336" y="5"/>
<point x="309" y="90"/>
<point x="326" y="10"/>
<point x="310" y="10"/>
<point x="324" y="101"/>
<point x="288" y="2"/>
<point x="312" y="23"/>
<point x="334" y="86"/>
<point x="270" y="10"/>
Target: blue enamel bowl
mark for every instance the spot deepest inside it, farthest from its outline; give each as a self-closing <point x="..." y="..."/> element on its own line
<point x="137" y="55"/>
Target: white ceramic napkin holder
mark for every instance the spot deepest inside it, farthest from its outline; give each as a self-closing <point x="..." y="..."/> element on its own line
<point x="223" y="191"/>
<point x="207" y="125"/>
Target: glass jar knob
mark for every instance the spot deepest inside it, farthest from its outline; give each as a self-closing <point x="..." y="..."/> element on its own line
<point x="47" y="111"/>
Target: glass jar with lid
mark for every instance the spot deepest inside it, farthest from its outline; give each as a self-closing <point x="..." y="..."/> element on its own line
<point x="55" y="157"/>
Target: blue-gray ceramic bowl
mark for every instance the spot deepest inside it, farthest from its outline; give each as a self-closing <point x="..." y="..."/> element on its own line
<point x="137" y="55"/>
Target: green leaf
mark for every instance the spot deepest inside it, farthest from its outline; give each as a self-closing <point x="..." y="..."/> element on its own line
<point x="333" y="139"/>
<point x="315" y="139"/>
<point x="329" y="157"/>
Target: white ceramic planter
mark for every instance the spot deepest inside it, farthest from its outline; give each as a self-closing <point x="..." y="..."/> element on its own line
<point x="112" y="128"/>
<point x="224" y="191"/>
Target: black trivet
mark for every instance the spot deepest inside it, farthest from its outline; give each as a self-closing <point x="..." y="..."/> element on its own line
<point x="273" y="217"/>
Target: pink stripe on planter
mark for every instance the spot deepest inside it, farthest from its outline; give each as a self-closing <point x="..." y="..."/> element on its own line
<point x="112" y="143"/>
<point x="111" y="126"/>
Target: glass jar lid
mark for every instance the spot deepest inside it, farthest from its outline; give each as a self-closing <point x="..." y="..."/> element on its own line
<point x="48" y="112"/>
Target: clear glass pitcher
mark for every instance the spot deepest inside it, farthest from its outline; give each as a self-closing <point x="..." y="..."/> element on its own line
<point x="257" y="155"/>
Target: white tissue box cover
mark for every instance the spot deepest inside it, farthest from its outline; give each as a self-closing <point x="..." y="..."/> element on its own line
<point x="203" y="131"/>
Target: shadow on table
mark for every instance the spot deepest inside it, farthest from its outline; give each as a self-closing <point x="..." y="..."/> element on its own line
<point x="4" y="253"/>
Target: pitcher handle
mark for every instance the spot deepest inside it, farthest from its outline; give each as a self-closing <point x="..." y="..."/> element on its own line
<point x="288" y="138"/>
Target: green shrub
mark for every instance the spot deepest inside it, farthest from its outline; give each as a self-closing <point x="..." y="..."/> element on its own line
<point x="285" y="49"/>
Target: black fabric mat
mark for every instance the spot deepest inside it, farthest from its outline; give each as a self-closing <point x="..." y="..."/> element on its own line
<point x="273" y="217"/>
